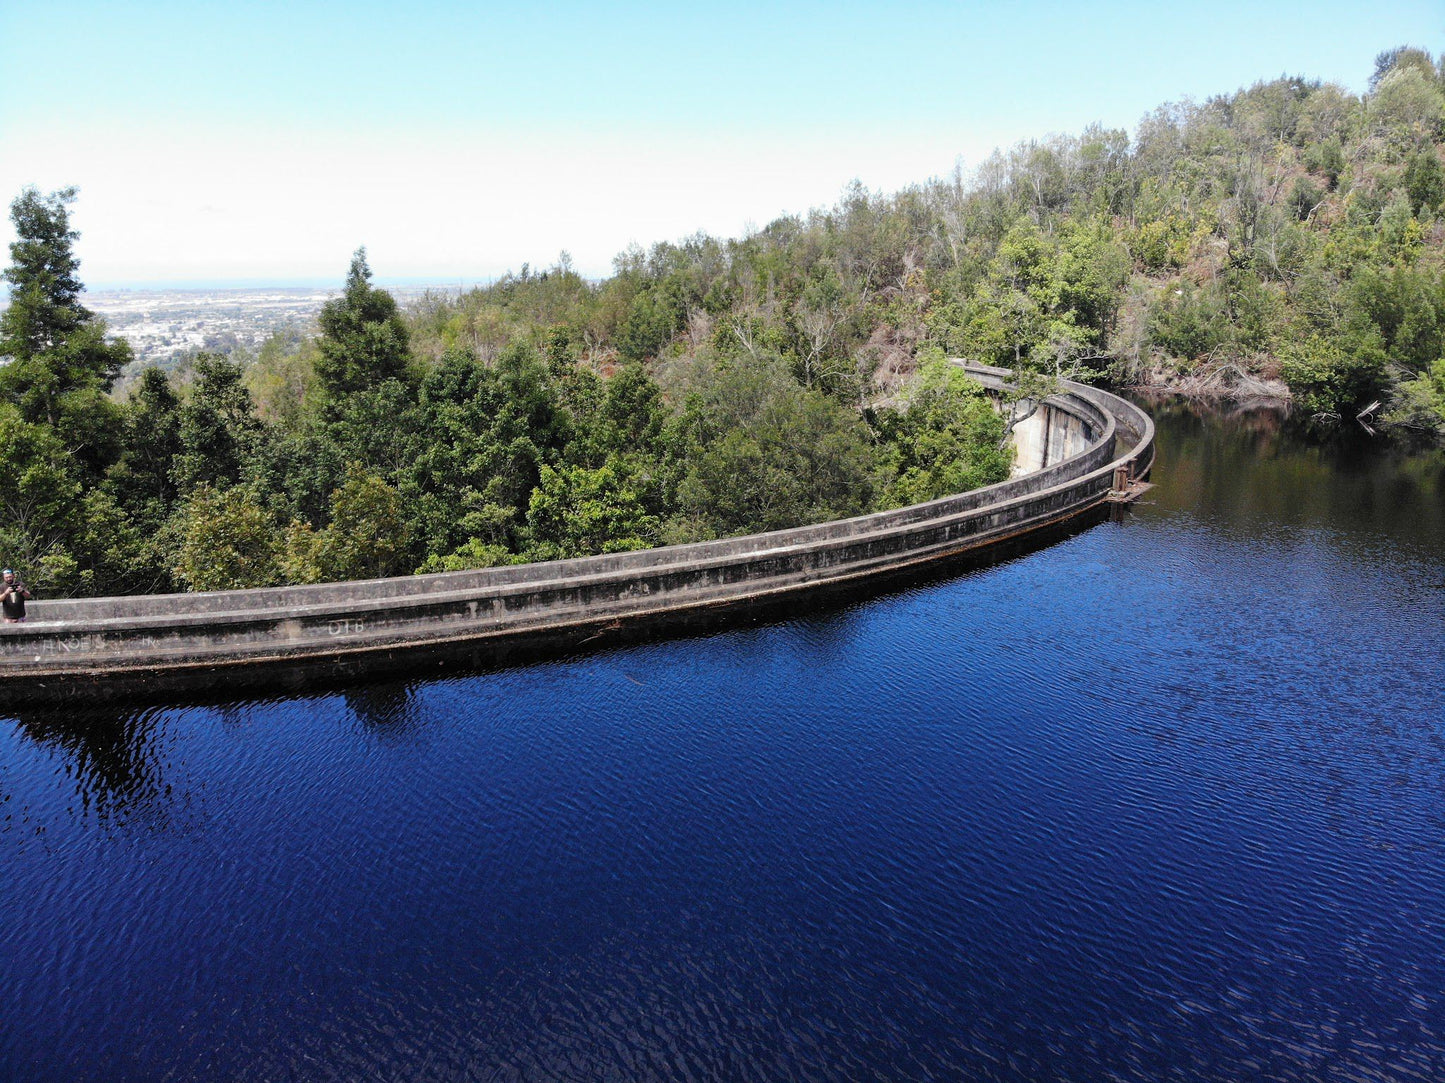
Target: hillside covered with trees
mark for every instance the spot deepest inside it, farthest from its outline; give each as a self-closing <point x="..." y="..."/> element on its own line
<point x="1288" y="237"/>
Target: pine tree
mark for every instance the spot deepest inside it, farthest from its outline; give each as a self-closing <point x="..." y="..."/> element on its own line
<point x="363" y="339"/>
<point x="60" y="363"/>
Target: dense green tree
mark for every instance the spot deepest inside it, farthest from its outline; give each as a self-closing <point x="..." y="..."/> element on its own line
<point x="945" y="438"/>
<point x="1419" y="402"/>
<point x="45" y="287"/>
<point x="489" y="430"/>
<point x="369" y="535"/>
<point x="1331" y="379"/>
<point x="763" y="453"/>
<point x="650" y="325"/>
<point x="631" y="416"/>
<point x="1400" y="58"/>
<point x="1190" y="321"/>
<point x="379" y="426"/>
<point x="575" y="511"/>
<point x="113" y="552"/>
<point x="60" y="364"/>
<point x="218" y="429"/>
<point x="364" y="340"/>
<point x="41" y="500"/>
<point x="1403" y="308"/>
<point x="474" y="553"/>
<point x="1407" y="108"/>
<point x="228" y="541"/>
<point x="142" y="477"/>
<point x="1425" y="181"/>
<point x="298" y="471"/>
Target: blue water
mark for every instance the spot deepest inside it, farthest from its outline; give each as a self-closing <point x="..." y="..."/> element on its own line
<point x="1164" y="801"/>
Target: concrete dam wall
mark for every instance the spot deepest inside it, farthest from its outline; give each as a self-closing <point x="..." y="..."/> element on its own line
<point x="153" y="645"/>
<point x="1050" y="435"/>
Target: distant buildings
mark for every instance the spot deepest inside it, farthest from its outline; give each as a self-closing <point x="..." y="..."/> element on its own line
<point x="164" y="327"/>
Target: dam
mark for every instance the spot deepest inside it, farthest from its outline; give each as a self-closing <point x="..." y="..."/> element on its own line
<point x="1081" y="446"/>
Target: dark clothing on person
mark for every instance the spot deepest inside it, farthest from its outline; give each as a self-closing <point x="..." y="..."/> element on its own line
<point x="12" y="605"/>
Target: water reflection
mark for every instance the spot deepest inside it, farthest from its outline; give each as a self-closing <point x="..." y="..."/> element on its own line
<point x="1160" y="802"/>
<point x="1253" y="469"/>
<point x="388" y="709"/>
<point x="113" y="756"/>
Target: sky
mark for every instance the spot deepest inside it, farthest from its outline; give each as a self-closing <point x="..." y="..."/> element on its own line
<point x="253" y="143"/>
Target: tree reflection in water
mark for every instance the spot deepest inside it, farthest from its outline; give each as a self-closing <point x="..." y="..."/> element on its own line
<point x="387" y="709"/>
<point x="112" y="755"/>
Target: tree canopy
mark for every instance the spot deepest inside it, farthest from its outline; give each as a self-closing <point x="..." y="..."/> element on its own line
<point x="59" y="361"/>
<point x="1290" y="235"/>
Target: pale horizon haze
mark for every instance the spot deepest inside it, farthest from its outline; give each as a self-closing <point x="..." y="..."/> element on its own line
<point x="263" y="143"/>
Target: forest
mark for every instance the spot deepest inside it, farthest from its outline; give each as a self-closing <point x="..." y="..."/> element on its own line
<point x="1288" y="238"/>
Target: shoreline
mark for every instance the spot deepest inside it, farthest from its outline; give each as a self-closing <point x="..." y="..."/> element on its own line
<point x="137" y="646"/>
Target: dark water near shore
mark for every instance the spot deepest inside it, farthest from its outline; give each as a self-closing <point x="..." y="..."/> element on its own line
<point x="1164" y="801"/>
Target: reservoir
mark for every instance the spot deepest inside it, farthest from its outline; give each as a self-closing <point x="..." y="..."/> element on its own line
<point x="1163" y="800"/>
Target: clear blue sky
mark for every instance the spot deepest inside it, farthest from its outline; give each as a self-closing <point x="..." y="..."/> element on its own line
<point x="265" y="141"/>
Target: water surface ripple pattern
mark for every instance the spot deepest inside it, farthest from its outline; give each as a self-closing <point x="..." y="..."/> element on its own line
<point x="1163" y="801"/>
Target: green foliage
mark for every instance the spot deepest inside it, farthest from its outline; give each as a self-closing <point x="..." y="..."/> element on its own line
<point x="142" y="477"/>
<point x="1328" y="159"/>
<point x="112" y="553"/>
<point x="58" y="431"/>
<point x="1189" y="321"/>
<point x="363" y="339"/>
<point x="1330" y="378"/>
<point x="369" y="536"/>
<point x="1425" y="181"/>
<point x="45" y="308"/>
<point x="60" y="363"/>
<point x="488" y="432"/>
<point x="218" y="429"/>
<point x="298" y="471"/>
<point x="946" y="438"/>
<point x="1161" y="244"/>
<point x="649" y="325"/>
<point x="715" y="386"/>
<point x="42" y="493"/>
<point x="1419" y="402"/>
<point x="762" y="453"/>
<point x="1255" y="309"/>
<point x="283" y="383"/>
<point x="1304" y="197"/>
<point x="575" y="511"/>
<point x="1407" y="108"/>
<point x="228" y="541"/>
<point x="1046" y="300"/>
<point x="1401" y="308"/>
<point x="631" y="415"/>
<point x="1401" y="58"/>
<point x="474" y="554"/>
<point x="380" y="425"/>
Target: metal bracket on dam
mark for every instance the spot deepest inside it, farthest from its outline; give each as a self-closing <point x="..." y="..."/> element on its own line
<point x="1084" y="448"/>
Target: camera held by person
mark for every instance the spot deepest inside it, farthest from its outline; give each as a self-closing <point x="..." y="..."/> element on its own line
<point x="12" y="597"/>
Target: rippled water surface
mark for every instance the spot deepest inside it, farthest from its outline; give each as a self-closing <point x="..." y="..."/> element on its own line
<point x="1163" y="801"/>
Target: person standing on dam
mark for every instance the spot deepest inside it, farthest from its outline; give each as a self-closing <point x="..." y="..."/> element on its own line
<point x="12" y="598"/>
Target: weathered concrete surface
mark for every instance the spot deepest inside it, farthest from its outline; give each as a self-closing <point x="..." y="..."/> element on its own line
<point x="1051" y="434"/>
<point x="105" y="648"/>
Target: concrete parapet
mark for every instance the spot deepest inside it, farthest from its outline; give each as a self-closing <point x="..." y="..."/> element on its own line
<point x="102" y="648"/>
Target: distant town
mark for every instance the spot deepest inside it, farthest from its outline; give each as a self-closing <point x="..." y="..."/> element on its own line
<point x="167" y="326"/>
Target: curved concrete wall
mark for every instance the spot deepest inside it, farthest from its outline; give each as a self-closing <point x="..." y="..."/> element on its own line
<point x="1050" y="435"/>
<point x="157" y="644"/>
